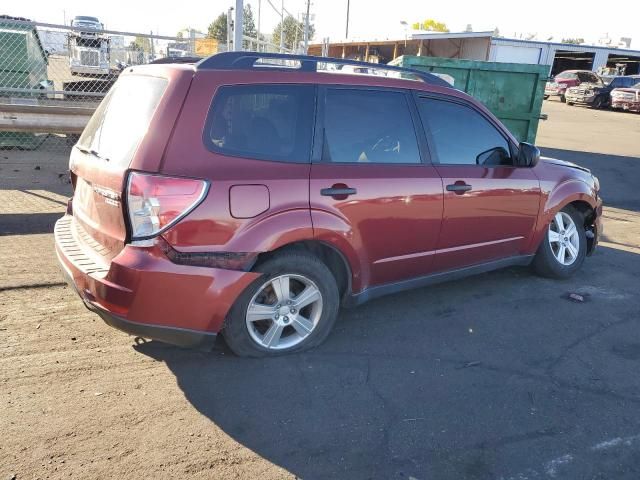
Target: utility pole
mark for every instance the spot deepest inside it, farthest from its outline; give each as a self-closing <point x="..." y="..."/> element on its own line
<point x="238" y="26"/>
<point x="306" y="28"/>
<point x="282" y="26"/>
<point x="258" y="30"/>
<point x="229" y="28"/>
<point x="346" y="35"/>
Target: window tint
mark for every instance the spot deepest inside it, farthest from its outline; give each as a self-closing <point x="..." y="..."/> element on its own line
<point x="366" y="126"/>
<point x="462" y="136"/>
<point x="267" y="122"/>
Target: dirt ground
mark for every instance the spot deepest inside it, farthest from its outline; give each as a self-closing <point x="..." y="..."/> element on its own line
<point x="498" y="376"/>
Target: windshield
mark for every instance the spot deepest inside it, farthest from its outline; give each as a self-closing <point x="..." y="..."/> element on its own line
<point x="566" y="76"/>
<point x="122" y="119"/>
<point x="86" y="19"/>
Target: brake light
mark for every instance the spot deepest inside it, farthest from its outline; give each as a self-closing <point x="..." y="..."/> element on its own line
<point x="156" y="202"/>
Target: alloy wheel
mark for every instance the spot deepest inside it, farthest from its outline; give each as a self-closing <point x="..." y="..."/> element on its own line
<point x="564" y="239"/>
<point x="284" y="312"/>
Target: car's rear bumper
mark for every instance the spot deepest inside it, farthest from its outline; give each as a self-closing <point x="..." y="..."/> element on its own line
<point x="555" y="92"/>
<point x="143" y="293"/>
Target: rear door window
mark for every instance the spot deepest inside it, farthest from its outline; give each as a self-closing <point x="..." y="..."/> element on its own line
<point x="368" y="126"/>
<point x="264" y="122"/>
<point x="122" y="119"/>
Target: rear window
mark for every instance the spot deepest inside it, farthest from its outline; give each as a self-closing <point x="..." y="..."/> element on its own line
<point x="122" y="119"/>
<point x="264" y="122"/>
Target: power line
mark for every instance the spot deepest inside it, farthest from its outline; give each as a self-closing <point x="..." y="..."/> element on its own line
<point x="282" y="16"/>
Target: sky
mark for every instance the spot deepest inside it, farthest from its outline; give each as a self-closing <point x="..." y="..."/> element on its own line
<point x="368" y="18"/>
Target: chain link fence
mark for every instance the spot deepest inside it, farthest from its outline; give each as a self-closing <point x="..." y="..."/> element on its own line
<point x="52" y="77"/>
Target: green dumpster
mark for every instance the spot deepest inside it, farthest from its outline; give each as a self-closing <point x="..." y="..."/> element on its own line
<point x="23" y="73"/>
<point x="512" y="91"/>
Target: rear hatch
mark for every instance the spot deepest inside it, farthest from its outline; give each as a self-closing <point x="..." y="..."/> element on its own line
<point x="129" y="130"/>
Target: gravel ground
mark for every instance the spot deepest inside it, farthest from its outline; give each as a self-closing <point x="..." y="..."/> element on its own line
<point x="498" y="376"/>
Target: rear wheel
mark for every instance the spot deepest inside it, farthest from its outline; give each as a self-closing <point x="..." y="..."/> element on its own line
<point x="564" y="246"/>
<point x="546" y="97"/>
<point x="292" y="307"/>
<point x="570" y="104"/>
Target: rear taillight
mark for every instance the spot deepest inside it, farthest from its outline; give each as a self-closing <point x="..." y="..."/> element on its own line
<point x="156" y="202"/>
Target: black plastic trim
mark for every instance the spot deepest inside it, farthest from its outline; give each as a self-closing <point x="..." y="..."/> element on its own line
<point x="181" y="337"/>
<point x="389" y="288"/>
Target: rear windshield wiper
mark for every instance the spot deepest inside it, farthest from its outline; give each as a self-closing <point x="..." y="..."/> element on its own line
<point x="91" y="152"/>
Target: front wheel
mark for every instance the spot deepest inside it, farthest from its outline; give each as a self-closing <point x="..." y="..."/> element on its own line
<point x="598" y="103"/>
<point x="290" y="308"/>
<point x="564" y="246"/>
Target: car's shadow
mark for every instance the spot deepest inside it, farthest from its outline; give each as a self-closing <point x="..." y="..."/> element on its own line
<point x="469" y="380"/>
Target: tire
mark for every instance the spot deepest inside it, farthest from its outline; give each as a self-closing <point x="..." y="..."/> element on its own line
<point x="570" y="104"/>
<point x="546" y="262"/>
<point x="290" y="272"/>
<point x="546" y="97"/>
<point x="562" y="98"/>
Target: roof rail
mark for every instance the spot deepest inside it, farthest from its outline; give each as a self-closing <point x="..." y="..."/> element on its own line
<point x="308" y="63"/>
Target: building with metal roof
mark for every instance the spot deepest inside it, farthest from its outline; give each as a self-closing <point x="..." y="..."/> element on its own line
<point x="484" y="46"/>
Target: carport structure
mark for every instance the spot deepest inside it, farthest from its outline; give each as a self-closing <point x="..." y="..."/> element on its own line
<point x="485" y="47"/>
<point x="464" y="45"/>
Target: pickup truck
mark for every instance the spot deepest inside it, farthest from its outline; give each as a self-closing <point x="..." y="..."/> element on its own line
<point x="598" y="95"/>
<point x="627" y="98"/>
<point x="569" y="78"/>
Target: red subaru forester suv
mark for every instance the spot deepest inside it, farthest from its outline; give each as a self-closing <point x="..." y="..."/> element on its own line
<point x="252" y="194"/>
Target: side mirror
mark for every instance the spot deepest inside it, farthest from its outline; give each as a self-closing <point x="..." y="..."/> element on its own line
<point x="528" y="155"/>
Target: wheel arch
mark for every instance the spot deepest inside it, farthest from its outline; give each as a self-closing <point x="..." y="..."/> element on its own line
<point x="329" y="254"/>
<point x="576" y="193"/>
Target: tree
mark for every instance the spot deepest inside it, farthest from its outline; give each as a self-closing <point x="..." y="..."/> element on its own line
<point x="575" y="41"/>
<point x="430" y="25"/>
<point x="218" y="28"/>
<point x="293" y="33"/>
<point x="248" y="23"/>
<point x="141" y="44"/>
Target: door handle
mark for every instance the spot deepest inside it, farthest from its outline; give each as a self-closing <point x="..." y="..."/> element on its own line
<point x="338" y="192"/>
<point x="458" y="188"/>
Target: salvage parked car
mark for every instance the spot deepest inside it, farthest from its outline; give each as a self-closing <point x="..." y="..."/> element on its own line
<point x="627" y="98"/>
<point x="598" y="95"/>
<point x="241" y="197"/>
<point x="569" y="78"/>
